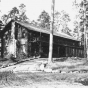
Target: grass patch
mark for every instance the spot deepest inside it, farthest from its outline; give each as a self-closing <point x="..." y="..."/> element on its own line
<point x="10" y="78"/>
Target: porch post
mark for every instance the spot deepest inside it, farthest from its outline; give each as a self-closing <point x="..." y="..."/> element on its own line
<point x="40" y="45"/>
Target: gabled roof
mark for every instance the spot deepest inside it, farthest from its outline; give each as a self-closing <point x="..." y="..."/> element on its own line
<point x="34" y="28"/>
<point x="47" y="31"/>
<point x="43" y="30"/>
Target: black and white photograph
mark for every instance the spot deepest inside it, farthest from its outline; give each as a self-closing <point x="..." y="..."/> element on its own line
<point x="43" y="43"/>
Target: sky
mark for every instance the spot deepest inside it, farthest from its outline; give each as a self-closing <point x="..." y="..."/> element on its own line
<point x="35" y="7"/>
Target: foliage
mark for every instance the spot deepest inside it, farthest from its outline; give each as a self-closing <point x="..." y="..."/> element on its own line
<point x="82" y="8"/>
<point x="22" y="8"/>
<point x="16" y="14"/>
<point x="61" y="21"/>
<point x="10" y="57"/>
<point x="33" y="22"/>
<point x="22" y="15"/>
<point x="4" y="18"/>
<point x="13" y="13"/>
<point x="57" y="16"/>
<point x="76" y="26"/>
<point x="1" y="24"/>
<point x="20" y="54"/>
<point x="44" y="20"/>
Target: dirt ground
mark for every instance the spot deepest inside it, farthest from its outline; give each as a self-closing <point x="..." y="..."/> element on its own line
<point x="66" y="74"/>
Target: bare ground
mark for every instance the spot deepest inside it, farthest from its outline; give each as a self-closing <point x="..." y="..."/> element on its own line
<point x="67" y="76"/>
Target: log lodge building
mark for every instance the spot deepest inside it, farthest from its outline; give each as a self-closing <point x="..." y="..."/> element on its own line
<point x="24" y="39"/>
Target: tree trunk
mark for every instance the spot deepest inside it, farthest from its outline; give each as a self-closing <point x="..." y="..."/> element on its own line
<point x="50" y="59"/>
